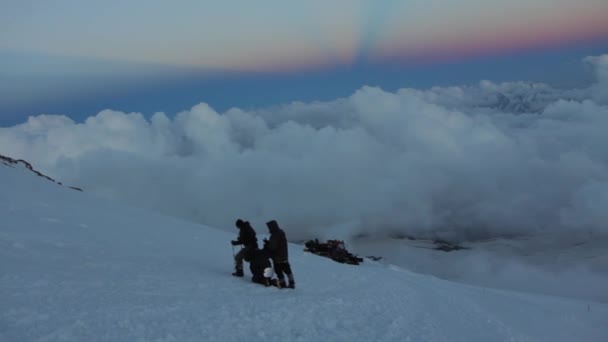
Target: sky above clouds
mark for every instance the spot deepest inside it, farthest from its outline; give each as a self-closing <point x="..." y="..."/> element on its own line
<point x="80" y="57"/>
<point x="274" y="35"/>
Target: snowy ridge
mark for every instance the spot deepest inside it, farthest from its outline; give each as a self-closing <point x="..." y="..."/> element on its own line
<point x="8" y="161"/>
<point x="77" y="268"/>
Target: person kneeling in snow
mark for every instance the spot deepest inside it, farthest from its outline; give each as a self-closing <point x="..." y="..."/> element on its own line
<point x="276" y="247"/>
<point x="248" y="239"/>
<point x="260" y="267"/>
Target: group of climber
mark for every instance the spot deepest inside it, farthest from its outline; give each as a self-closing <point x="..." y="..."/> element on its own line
<point x="275" y="249"/>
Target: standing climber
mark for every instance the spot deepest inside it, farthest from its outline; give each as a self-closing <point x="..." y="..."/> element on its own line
<point x="248" y="240"/>
<point x="276" y="247"/>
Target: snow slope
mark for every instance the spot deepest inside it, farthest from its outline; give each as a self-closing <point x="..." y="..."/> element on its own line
<point x="553" y="265"/>
<point x="76" y="268"/>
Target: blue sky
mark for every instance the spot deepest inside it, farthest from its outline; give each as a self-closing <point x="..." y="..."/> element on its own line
<point x="79" y="57"/>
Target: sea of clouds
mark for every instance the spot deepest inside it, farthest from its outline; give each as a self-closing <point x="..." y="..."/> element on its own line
<point x="464" y="163"/>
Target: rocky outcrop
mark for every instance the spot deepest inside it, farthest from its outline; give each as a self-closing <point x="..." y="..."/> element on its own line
<point x="8" y="161"/>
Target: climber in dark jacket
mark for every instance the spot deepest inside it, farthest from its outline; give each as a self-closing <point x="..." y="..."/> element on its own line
<point x="276" y="247"/>
<point x="260" y="267"/>
<point x="248" y="240"/>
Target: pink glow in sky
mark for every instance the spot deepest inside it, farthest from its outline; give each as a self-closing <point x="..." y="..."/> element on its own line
<point x="276" y="36"/>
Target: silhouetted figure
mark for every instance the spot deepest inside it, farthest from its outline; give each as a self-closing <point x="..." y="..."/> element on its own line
<point x="260" y="267"/>
<point x="248" y="240"/>
<point x="276" y="247"/>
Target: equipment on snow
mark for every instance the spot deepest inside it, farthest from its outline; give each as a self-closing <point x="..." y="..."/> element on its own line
<point x="333" y="249"/>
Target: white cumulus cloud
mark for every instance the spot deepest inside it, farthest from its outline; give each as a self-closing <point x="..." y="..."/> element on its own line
<point x="460" y="162"/>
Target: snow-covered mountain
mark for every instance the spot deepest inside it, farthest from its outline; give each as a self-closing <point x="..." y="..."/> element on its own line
<point x="78" y="268"/>
<point x="519" y="97"/>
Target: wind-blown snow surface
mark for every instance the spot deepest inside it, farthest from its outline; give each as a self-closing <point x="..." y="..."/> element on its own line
<point x="77" y="268"/>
